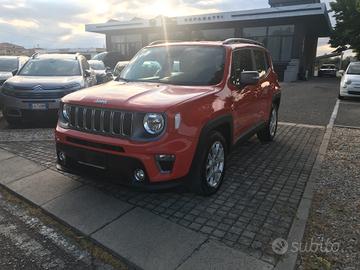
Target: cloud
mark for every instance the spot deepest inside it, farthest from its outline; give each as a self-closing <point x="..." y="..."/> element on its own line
<point x="61" y="23"/>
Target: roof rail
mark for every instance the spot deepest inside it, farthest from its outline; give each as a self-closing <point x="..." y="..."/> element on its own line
<point x="242" y="40"/>
<point x="156" y="42"/>
<point x="34" y="55"/>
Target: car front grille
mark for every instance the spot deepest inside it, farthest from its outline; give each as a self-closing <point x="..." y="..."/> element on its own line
<point x="354" y="93"/>
<point x="37" y="95"/>
<point x="101" y="121"/>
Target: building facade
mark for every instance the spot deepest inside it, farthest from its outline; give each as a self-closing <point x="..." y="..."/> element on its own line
<point x="289" y="30"/>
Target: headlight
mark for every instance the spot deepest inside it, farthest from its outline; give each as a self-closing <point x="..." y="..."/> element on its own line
<point x="66" y="112"/>
<point x="154" y="123"/>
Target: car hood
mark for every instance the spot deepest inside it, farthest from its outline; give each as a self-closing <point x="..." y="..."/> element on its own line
<point x="4" y="75"/>
<point x="136" y="96"/>
<point x="46" y="82"/>
<point x="353" y="78"/>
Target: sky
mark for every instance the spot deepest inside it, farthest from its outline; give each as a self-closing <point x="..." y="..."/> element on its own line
<point x="61" y="23"/>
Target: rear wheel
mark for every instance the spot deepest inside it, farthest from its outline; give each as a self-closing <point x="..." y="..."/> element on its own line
<point x="268" y="133"/>
<point x="208" y="167"/>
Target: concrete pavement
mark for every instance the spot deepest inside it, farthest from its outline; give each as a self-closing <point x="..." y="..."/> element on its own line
<point x="136" y="235"/>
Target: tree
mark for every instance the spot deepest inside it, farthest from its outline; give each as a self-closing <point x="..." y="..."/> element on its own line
<point x="346" y="34"/>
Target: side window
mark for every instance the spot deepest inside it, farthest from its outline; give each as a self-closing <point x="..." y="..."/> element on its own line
<point x="241" y="61"/>
<point x="260" y="62"/>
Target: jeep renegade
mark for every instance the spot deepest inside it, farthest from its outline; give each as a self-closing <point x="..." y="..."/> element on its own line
<point x="173" y="114"/>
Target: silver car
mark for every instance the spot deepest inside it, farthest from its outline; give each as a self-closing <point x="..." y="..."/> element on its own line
<point x="9" y="66"/>
<point x="350" y="81"/>
<point x="40" y="84"/>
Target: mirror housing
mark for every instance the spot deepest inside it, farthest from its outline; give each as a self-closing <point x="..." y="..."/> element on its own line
<point x="14" y="72"/>
<point x="341" y="72"/>
<point x="249" y="77"/>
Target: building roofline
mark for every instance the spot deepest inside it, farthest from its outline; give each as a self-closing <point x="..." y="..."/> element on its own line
<point x="242" y="15"/>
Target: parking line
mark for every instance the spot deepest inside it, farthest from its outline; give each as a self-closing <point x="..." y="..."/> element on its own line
<point x="297" y="229"/>
<point x="334" y="114"/>
<point x="300" y="125"/>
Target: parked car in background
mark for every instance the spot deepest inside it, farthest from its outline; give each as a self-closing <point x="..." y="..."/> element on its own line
<point x="350" y="81"/>
<point x="119" y="67"/>
<point x="41" y="83"/>
<point x="110" y="59"/>
<point x="103" y="74"/>
<point x="9" y="66"/>
<point x="173" y="115"/>
<point x="327" y="70"/>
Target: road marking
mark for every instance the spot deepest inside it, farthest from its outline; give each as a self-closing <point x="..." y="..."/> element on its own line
<point x="300" y="125"/>
<point x="344" y="126"/>
<point x="334" y="114"/>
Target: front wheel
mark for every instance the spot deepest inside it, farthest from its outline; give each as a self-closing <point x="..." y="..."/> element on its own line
<point x="268" y="133"/>
<point x="340" y="97"/>
<point x="208" y="168"/>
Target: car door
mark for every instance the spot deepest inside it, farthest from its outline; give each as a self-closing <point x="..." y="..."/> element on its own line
<point x="263" y="88"/>
<point x="243" y="97"/>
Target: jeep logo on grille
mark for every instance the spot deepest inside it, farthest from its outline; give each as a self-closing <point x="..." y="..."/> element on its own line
<point x="101" y="101"/>
<point x="37" y="88"/>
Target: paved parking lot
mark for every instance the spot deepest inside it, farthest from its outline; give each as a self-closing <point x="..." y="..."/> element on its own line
<point x="264" y="182"/>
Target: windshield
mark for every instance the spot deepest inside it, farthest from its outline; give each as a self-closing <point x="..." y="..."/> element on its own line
<point x="328" y="67"/>
<point x="354" y="69"/>
<point x="178" y="64"/>
<point x="100" y="56"/>
<point x="8" y="64"/>
<point x="51" y="67"/>
<point x="97" y="65"/>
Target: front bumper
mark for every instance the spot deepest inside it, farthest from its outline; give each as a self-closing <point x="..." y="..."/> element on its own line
<point x="350" y="91"/>
<point x="142" y="155"/>
<point x="16" y="107"/>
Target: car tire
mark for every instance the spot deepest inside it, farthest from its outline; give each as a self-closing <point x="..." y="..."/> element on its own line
<point x="267" y="134"/>
<point x="340" y="97"/>
<point x="203" y="179"/>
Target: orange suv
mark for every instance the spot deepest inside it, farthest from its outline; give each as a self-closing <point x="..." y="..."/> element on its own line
<point x="172" y="115"/>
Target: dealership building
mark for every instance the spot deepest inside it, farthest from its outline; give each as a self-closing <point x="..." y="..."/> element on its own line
<point x="289" y="29"/>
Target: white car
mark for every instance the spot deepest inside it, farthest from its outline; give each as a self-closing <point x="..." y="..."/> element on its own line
<point x="350" y="81"/>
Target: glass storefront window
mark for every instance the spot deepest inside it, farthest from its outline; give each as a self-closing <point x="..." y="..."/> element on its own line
<point x="277" y="39"/>
<point x="254" y="31"/>
<point x="218" y="34"/>
<point x="280" y="30"/>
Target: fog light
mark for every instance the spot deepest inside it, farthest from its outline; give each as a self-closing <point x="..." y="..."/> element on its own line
<point x="165" y="162"/>
<point x="139" y="175"/>
<point x="62" y="157"/>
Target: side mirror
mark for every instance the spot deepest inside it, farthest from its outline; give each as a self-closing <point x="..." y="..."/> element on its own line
<point x="87" y="73"/>
<point x="341" y="72"/>
<point x="14" y="72"/>
<point x="249" y="77"/>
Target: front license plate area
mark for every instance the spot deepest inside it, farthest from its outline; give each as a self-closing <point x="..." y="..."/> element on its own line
<point x="92" y="159"/>
<point x="38" y="106"/>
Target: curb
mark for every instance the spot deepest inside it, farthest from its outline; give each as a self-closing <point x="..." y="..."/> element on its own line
<point x="288" y="261"/>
